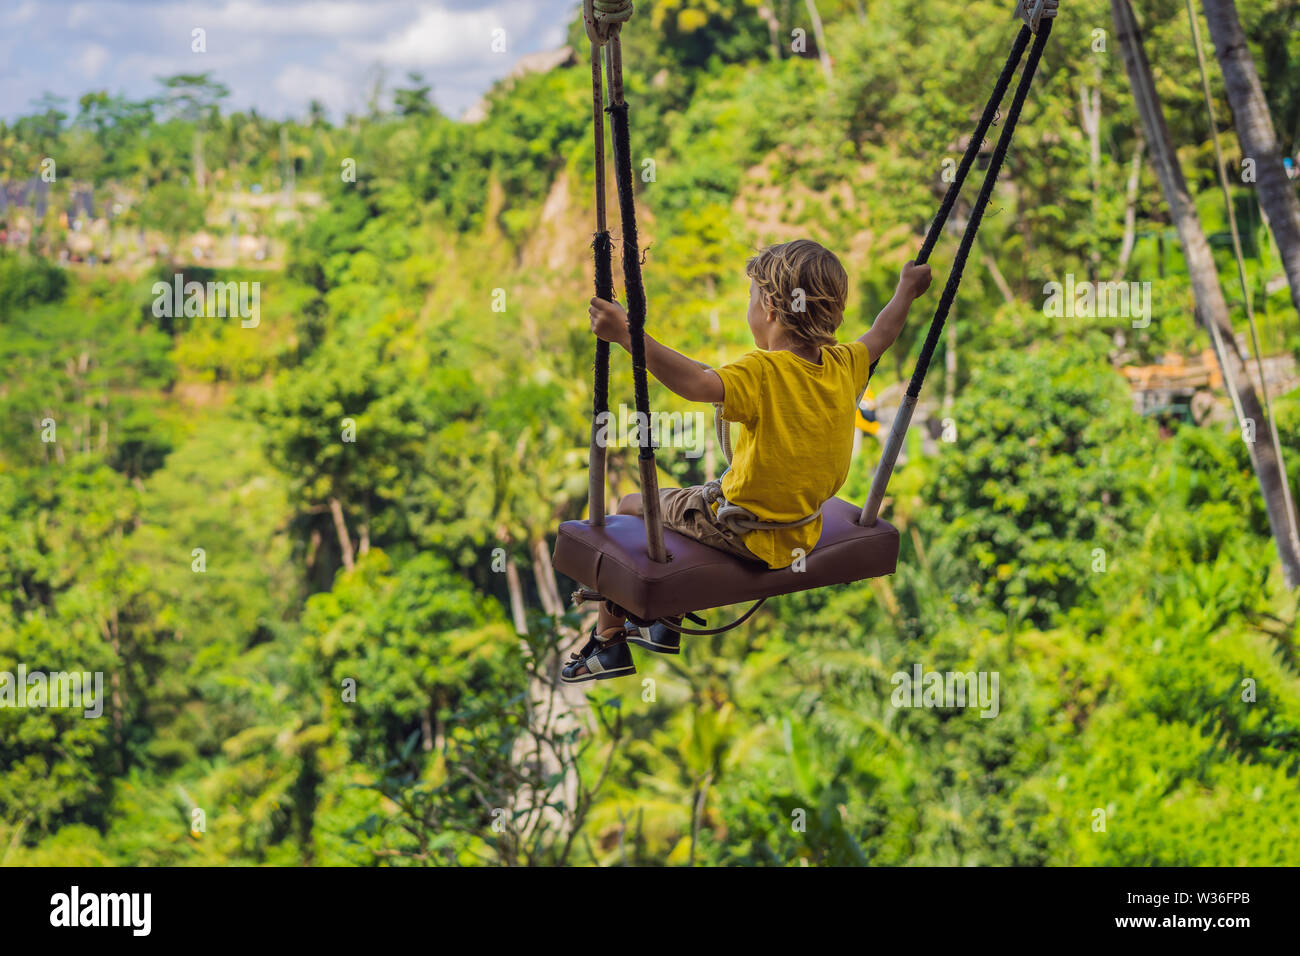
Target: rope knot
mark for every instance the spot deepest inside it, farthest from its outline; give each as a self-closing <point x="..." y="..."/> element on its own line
<point x="604" y="18"/>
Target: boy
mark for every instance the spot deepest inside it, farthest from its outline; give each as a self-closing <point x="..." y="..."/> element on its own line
<point x="793" y="398"/>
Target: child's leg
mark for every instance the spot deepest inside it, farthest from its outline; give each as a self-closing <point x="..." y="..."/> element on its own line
<point x="608" y="624"/>
<point x="628" y="505"/>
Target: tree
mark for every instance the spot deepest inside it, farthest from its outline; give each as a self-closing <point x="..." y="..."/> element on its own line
<point x="1259" y="142"/>
<point x="348" y="427"/>
<point x="174" y="211"/>
<point x="413" y="100"/>
<point x="47" y="123"/>
<point x="820" y="34"/>
<point x="194" y="97"/>
<point x="115" y="123"/>
<point x="1047" y="468"/>
<point x="1211" y="308"/>
<point x="317" y="115"/>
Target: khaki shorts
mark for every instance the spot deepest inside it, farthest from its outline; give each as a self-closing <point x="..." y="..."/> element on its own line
<point x="687" y="511"/>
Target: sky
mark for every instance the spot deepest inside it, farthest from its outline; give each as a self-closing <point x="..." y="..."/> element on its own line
<point x="275" y="55"/>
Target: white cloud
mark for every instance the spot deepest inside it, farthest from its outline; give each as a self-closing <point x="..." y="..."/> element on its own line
<point x="23" y="13"/>
<point x="274" y="55"/>
<point x="92" y="60"/>
<point x="307" y="19"/>
<point x="299" y="85"/>
<point x="443" y="38"/>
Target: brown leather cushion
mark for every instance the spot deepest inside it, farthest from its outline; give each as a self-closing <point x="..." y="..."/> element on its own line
<point x="613" y="560"/>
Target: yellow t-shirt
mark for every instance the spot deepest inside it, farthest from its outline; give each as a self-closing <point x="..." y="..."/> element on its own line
<point x="795" y="441"/>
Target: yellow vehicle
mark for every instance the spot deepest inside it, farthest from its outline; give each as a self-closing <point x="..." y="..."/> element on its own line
<point x="865" y="418"/>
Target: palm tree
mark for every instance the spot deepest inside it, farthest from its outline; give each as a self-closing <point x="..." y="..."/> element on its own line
<point x="194" y="98"/>
<point x="316" y="114"/>
<point x="1256" y="134"/>
<point x="1211" y="307"/>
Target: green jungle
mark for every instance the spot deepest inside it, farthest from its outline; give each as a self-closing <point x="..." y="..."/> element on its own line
<point x="310" y="553"/>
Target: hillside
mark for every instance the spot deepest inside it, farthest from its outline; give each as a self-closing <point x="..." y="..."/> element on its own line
<point x="300" y="551"/>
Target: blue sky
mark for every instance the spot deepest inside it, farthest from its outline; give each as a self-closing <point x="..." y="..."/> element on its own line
<point x="274" y="55"/>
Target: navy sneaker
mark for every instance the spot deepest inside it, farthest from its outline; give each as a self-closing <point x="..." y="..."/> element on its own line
<point x="657" y="637"/>
<point x="599" y="660"/>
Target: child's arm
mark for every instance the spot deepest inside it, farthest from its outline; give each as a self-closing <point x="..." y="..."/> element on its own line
<point x="884" y="331"/>
<point x="680" y="374"/>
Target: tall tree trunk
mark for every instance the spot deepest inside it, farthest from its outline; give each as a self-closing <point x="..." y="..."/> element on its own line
<point x="313" y="546"/>
<point x="1211" y="308"/>
<point x="1130" y="208"/>
<point x="766" y="14"/>
<point x="426" y="729"/>
<point x="1257" y="137"/>
<point x="363" y="547"/>
<point x="516" y="597"/>
<point x="999" y="280"/>
<point x="286" y="162"/>
<point x="1090" y="120"/>
<point x="823" y="54"/>
<point x="341" y="529"/>
<point x="1221" y="169"/>
<point x="117" y="700"/>
<point x="200" y="174"/>
<point x="544" y="574"/>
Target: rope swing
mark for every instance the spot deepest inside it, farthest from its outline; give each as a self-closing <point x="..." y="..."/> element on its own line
<point x="604" y="20"/>
<point x="894" y="444"/>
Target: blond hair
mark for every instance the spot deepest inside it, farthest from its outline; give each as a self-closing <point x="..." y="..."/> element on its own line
<point x="805" y="285"/>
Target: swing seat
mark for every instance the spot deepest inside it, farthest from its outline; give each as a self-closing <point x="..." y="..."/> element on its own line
<point x="613" y="560"/>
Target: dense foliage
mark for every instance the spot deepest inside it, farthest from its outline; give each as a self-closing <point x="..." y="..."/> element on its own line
<point x="299" y="552"/>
